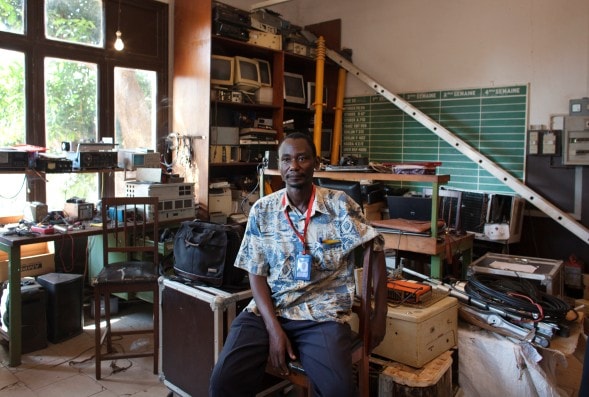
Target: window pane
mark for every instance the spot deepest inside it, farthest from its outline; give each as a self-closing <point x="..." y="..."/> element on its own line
<point x="61" y="187"/>
<point x="13" y="194"/>
<point x="11" y="16"/>
<point x="12" y="98"/>
<point x="12" y="127"/>
<point x="135" y="113"/>
<point x="75" y="21"/>
<point x="70" y="116"/>
<point x="70" y="102"/>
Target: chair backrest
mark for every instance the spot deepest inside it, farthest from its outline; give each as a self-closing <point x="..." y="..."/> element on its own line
<point x="366" y="299"/>
<point x="129" y="228"/>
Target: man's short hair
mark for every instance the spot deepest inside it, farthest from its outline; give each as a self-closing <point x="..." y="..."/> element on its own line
<point x="301" y="135"/>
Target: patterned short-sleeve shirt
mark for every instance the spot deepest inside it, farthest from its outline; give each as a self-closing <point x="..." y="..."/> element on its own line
<point x="270" y="247"/>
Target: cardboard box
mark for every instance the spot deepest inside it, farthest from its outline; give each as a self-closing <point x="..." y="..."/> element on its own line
<point x="417" y="334"/>
<point x="36" y="259"/>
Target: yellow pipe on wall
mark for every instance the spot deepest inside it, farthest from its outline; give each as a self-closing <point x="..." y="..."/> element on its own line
<point x="319" y="70"/>
<point x="338" y="120"/>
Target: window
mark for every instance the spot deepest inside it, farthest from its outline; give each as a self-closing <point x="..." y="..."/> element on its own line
<point x="62" y="81"/>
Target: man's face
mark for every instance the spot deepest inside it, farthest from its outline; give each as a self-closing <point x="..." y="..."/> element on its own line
<point x="297" y="163"/>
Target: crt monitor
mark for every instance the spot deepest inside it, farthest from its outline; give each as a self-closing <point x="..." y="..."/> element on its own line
<point x="351" y="188"/>
<point x="294" y="88"/>
<point x="265" y="73"/>
<point x="247" y="74"/>
<point x="222" y="69"/>
<point x="311" y="95"/>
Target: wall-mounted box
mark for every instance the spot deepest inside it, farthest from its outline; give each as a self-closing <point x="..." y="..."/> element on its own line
<point x="575" y="142"/>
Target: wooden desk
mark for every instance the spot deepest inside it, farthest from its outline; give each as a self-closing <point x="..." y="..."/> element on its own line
<point x="12" y="246"/>
<point x="403" y="242"/>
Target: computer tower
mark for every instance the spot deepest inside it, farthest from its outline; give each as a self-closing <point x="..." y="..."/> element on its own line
<point x="64" y="305"/>
<point x="33" y="320"/>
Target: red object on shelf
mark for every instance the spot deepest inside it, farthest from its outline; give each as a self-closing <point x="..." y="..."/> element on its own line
<point x="30" y="148"/>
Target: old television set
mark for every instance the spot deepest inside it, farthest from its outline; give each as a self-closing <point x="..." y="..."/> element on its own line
<point x="294" y="88"/>
<point x="247" y="74"/>
<point x="265" y="73"/>
<point x="311" y="94"/>
<point x="222" y="70"/>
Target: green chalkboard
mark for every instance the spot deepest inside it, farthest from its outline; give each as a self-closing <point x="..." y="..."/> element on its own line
<point x="492" y="120"/>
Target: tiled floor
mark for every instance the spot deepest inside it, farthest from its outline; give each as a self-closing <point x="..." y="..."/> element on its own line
<point x="67" y="369"/>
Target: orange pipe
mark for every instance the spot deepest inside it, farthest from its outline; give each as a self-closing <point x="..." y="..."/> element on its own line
<point x="338" y="120"/>
<point x="319" y="71"/>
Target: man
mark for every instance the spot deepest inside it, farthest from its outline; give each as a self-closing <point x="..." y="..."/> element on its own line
<point x="299" y="251"/>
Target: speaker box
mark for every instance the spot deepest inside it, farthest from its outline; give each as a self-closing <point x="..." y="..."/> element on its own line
<point x="33" y="320"/>
<point x="64" y="305"/>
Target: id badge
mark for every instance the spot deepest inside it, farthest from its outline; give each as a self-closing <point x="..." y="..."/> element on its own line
<point x="303" y="267"/>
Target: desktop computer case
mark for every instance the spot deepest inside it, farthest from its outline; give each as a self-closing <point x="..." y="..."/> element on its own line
<point x="194" y="321"/>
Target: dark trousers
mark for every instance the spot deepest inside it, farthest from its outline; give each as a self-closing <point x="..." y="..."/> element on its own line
<point x="324" y="349"/>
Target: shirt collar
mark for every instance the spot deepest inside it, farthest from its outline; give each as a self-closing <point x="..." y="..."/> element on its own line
<point x="318" y="203"/>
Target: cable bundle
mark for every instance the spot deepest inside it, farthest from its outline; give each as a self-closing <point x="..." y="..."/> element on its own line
<point x="517" y="296"/>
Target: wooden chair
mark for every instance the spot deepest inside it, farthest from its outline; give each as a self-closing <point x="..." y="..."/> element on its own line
<point x="130" y="265"/>
<point x="360" y="346"/>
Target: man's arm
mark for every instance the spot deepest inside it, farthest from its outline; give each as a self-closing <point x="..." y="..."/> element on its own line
<point x="379" y="284"/>
<point x="279" y="342"/>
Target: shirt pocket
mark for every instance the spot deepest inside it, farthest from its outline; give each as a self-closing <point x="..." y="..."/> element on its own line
<point x="328" y="256"/>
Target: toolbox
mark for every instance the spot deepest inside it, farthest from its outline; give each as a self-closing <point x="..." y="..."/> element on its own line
<point x="416" y="334"/>
<point x="547" y="273"/>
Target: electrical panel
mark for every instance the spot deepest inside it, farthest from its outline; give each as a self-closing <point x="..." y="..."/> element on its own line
<point x="575" y="147"/>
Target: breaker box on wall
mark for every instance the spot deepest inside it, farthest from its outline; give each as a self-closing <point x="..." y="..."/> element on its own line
<point x="575" y="142"/>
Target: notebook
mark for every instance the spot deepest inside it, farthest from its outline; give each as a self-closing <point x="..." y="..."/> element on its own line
<point x="410" y="208"/>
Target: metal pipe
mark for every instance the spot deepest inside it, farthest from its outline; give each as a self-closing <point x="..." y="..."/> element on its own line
<point x="319" y="71"/>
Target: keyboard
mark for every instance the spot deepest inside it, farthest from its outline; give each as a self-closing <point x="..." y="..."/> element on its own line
<point x="348" y="168"/>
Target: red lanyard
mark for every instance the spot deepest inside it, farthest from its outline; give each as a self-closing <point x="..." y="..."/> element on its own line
<point x="303" y="236"/>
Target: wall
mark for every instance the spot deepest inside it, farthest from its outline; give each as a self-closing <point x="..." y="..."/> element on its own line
<point x="422" y="45"/>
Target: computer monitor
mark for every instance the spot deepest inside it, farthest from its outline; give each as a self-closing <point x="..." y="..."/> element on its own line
<point x="351" y="188"/>
<point x="326" y="142"/>
<point x="222" y="70"/>
<point x="247" y="74"/>
<point x="294" y="88"/>
<point x="311" y="95"/>
<point x="265" y="73"/>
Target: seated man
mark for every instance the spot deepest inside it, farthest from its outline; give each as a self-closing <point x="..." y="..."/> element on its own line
<point x="299" y="251"/>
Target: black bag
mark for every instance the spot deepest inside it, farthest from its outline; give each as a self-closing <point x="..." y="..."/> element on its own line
<point x="205" y="251"/>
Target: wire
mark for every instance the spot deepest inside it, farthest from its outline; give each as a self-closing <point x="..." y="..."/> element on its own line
<point x="517" y="296"/>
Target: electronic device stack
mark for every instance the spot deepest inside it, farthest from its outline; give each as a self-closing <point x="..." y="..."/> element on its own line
<point x="176" y="200"/>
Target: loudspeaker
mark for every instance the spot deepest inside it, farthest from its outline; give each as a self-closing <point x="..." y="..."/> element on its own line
<point x="33" y="320"/>
<point x="64" y="305"/>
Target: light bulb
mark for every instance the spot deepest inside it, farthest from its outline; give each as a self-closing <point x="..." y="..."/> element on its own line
<point x="119" y="45"/>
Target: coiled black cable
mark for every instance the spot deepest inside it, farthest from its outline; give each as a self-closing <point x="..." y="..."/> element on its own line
<point x="517" y="296"/>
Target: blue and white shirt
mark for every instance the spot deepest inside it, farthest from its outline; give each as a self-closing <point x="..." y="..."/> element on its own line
<point x="270" y="247"/>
